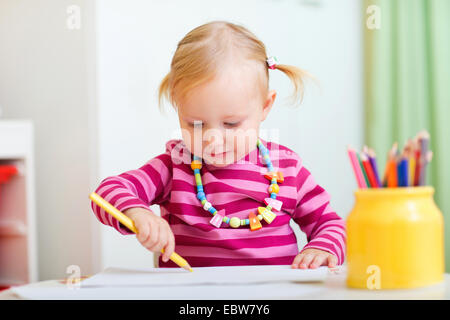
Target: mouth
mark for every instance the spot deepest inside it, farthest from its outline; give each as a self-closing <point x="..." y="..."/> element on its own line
<point x="220" y="154"/>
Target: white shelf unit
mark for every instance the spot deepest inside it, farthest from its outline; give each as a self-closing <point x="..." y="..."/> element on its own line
<point x="18" y="255"/>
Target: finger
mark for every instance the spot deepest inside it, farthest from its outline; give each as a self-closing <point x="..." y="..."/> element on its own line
<point x="306" y="261"/>
<point x="297" y="260"/>
<point x="143" y="232"/>
<point x="153" y="237"/>
<point x="162" y="239"/>
<point x="318" y="261"/>
<point x="169" y="248"/>
<point x="332" y="261"/>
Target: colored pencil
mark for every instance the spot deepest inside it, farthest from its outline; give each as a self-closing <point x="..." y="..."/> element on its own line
<point x="373" y="162"/>
<point x="423" y="169"/>
<point x="403" y="172"/>
<point x="356" y="168"/>
<point x="412" y="168"/>
<point x="127" y="222"/>
<point x="363" y="171"/>
<point x="392" y="177"/>
<point x="388" y="167"/>
<point x="404" y="168"/>
<point x="411" y="162"/>
<point x="417" y="156"/>
<point x="424" y="141"/>
<point x="369" y="171"/>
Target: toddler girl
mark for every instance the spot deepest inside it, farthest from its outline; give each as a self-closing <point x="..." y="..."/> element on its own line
<point x="226" y="195"/>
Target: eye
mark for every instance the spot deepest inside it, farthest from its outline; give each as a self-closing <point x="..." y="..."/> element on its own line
<point x="195" y="124"/>
<point x="231" y="124"/>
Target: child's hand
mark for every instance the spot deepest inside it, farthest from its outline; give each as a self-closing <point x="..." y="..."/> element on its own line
<point x="314" y="258"/>
<point x="154" y="232"/>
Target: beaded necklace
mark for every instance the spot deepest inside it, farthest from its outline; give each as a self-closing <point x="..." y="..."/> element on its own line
<point x="253" y="219"/>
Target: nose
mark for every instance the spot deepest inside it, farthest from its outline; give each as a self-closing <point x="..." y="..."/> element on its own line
<point x="214" y="142"/>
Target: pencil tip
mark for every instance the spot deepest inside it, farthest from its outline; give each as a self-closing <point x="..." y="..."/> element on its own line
<point x="424" y="134"/>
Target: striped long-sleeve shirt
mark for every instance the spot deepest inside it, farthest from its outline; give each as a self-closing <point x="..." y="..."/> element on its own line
<point x="240" y="188"/>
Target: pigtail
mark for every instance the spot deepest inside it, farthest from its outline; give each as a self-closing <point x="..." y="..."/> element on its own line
<point x="163" y="92"/>
<point x="297" y="77"/>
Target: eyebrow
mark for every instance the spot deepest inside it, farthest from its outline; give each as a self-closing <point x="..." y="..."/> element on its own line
<point x="191" y="119"/>
<point x="233" y="117"/>
<point x="230" y="117"/>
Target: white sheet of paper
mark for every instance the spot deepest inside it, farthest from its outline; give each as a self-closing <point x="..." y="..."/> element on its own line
<point x="217" y="283"/>
<point x="262" y="291"/>
<point x="118" y="277"/>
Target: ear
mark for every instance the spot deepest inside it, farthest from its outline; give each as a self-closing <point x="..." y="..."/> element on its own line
<point x="268" y="103"/>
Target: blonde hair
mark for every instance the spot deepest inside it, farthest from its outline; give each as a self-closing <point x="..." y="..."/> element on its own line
<point x="207" y="48"/>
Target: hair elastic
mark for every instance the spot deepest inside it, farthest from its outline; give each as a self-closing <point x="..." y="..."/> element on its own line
<point x="272" y="62"/>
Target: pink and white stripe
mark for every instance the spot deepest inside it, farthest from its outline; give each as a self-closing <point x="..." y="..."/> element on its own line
<point x="239" y="188"/>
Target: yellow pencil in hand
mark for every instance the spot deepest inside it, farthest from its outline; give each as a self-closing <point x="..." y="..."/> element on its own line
<point x="127" y="222"/>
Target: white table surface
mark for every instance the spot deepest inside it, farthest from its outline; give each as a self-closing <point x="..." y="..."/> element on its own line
<point x="334" y="287"/>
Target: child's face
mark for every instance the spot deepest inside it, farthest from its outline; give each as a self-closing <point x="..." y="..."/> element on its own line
<point x="220" y="119"/>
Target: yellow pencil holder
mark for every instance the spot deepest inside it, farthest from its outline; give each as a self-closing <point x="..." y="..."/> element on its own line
<point x="395" y="239"/>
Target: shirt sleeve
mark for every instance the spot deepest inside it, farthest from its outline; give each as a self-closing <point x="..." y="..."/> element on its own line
<point x="324" y="229"/>
<point x="140" y="188"/>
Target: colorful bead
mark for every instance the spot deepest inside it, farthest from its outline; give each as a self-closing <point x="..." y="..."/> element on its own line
<point x="196" y="164"/>
<point x="275" y="204"/>
<point x="235" y="222"/>
<point x="267" y="215"/>
<point x="274" y="188"/>
<point x="280" y="177"/>
<point x="218" y="218"/>
<point x="274" y="175"/>
<point x="207" y="205"/>
<point x="254" y="222"/>
<point x="201" y="195"/>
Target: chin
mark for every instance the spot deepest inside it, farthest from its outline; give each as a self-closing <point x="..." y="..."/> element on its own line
<point x="219" y="162"/>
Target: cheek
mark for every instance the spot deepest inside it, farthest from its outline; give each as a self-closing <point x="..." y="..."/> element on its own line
<point x="187" y="135"/>
<point x="194" y="140"/>
<point x="243" y="141"/>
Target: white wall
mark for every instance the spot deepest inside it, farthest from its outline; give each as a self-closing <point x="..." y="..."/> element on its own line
<point x="46" y="76"/>
<point x="91" y="94"/>
<point x="136" y="40"/>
